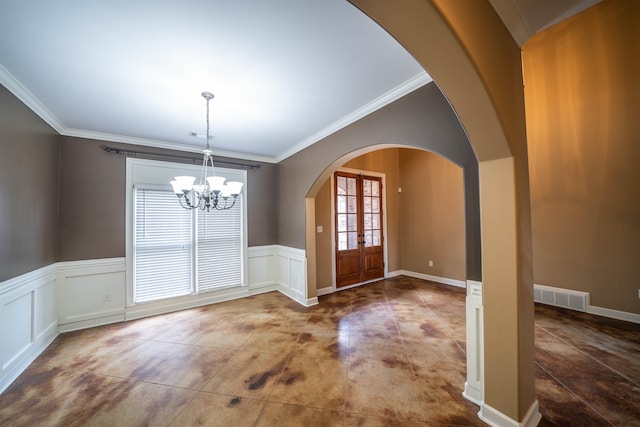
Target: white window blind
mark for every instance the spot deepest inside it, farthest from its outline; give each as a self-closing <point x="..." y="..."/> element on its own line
<point x="219" y="248"/>
<point x="163" y="246"/>
<point x="171" y="243"/>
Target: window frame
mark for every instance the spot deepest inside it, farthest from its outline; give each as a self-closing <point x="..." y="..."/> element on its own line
<point x="157" y="174"/>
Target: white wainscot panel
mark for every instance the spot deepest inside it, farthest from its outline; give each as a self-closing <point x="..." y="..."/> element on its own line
<point x="46" y="316"/>
<point x="16" y="327"/>
<point x="292" y="274"/>
<point x="91" y="293"/>
<point x="284" y="277"/>
<point x="297" y="275"/>
<point x="28" y="320"/>
<point x="261" y="269"/>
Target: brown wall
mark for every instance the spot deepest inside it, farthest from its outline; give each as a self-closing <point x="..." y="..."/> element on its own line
<point x="431" y="215"/>
<point x="582" y="91"/>
<point x="28" y="189"/>
<point x="422" y="119"/>
<point x="92" y="200"/>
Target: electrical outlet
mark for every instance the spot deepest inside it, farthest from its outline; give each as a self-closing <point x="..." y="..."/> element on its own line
<point x="638" y="293"/>
<point x="106" y="298"/>
<point x="430" y="263"/>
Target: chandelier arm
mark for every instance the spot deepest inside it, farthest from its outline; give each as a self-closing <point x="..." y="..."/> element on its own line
<point x="188" y="205"/>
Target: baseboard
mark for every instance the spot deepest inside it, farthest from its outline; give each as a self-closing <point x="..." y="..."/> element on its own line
<point x="325" y="291"/>
<point x="437" y="279"/>
<point x="92" y="322"/>
<point x="168" y="306"/>
<point x="472" y="394"/>
<point x="614" y="314"/>
<point x="263" y="288"/>
<point x="496" y="418"/>
<point x="544" y="295"/>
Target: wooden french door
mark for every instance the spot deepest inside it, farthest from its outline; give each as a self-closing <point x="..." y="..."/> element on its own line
<point x="359" y="245"/>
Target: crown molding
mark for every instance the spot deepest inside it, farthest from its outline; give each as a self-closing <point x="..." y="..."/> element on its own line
<point x="394" y="94"/>
<point x="27" y="98"/>
<point x="514" y="19"/>
<point x="23" y="94"/>
<point x="131" y="140"/>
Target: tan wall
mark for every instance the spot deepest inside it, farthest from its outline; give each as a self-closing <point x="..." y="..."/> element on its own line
<point x="582" y="91"/>
<point x="425" y="221"/>
<point x="28" y="189"/>
<point x="432" y="215"/>
<point x="324" y="252"/>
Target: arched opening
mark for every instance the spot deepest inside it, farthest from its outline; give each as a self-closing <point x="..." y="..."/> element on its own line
<point x="423" y="215"/>
<point x="476" y="63"/>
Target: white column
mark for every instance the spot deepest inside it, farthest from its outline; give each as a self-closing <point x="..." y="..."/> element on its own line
<point x="473" y="388"/>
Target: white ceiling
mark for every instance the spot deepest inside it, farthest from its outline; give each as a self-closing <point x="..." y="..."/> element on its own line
<point x="285" y="73"/>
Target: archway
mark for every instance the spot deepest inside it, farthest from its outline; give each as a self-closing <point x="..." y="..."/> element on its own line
<point x="473" y="59"/>
<point x="468" y="191"/>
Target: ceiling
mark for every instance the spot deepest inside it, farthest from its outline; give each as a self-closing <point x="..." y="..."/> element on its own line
<point x="285" y="73"/>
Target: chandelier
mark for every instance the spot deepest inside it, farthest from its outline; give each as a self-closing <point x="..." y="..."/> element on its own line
<point x="211" y="192"/>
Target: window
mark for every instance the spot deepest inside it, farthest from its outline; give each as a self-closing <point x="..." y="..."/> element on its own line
<point x="179" y="252"/>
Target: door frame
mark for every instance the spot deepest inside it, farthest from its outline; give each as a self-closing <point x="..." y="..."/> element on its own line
<point x="382" y="176"/>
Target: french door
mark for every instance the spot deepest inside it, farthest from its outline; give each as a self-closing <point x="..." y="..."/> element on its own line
<point x="358" y="219"/>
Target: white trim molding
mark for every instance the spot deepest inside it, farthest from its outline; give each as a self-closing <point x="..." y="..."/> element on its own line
<point x="90" y="293"/>
<point x="394" y="94"/>
<point x="474" y="386"/>
<point x="578" y="301"/>
<point x="614" y="314"/>
<point x="495" y="418"/>
<point x="28" y="320"/>
<point x="443" y="280"/>
<point x="281" y="268"/>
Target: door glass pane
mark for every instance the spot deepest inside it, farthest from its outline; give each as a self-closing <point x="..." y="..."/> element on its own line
<point x="353" y="223"/>
<point x="353" y="240"/>
<point x="342" y="185"/>
<point x="366" y="187"/>
<point x="367" y="205"/>
<point x="352" y="205"/>
<point x="351" y="186"/>
<point x="376" y="222"/>
<point x="342" y="204"/>
<point x="376" y="237"/>
<point x="342" y="222"/>
<point x="375" y="205"/>
<point x="342" y="241"/>
<point x="368" y="222"/>
<point x="367" y="238"/>
<point x="375" y="188"/>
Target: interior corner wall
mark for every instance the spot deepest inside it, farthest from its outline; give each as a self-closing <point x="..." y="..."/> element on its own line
<point x="432" y="225"/>
<point x="92" y="200"/>
<point x="582" y="93"/>
<point x="28" y="189"/>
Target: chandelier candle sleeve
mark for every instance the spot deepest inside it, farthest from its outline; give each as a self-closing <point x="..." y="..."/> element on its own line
<point x="211" y="192"/>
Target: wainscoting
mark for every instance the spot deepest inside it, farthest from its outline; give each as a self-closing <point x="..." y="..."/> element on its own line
<point x="29" y="320"/>
<point x="74" y="295"/>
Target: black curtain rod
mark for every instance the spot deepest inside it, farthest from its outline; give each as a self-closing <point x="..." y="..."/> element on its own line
<point x="195" y="160"/>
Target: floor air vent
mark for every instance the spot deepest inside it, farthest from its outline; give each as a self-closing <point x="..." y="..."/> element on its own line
<point x="565" y="298"/>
